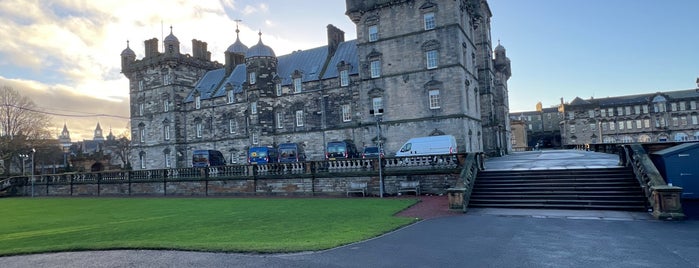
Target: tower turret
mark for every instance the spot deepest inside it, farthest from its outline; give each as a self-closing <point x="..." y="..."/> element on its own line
<point x="127" y="57"/>
<point x="172" y="44"/>
<point x="235" y="54"/>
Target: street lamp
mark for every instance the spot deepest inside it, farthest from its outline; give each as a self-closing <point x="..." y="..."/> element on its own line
<point x="33" y="151"/>
<point x="24" y="158"/>
<point x="377" y="116"/>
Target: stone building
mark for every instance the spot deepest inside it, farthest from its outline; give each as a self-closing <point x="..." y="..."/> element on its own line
<point x="655" y="117"/>
<point x="417" y="68"/>
<point x="519" y="136"/>
<point x="542" y="126"/>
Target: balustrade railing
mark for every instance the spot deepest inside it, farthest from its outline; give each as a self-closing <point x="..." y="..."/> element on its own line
<point x="309" y="169"/>
<point x="663" y="199"/>
<point x="460" y="195"/>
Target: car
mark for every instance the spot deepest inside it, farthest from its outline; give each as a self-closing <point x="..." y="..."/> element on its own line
<point x="372" y="152"/>
<point x="341" y="149"/>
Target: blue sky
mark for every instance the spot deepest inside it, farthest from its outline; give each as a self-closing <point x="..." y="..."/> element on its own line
<point x="65" y="54"/>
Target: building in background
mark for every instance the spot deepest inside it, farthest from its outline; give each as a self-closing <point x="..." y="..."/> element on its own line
<point x="417" y="68"/>
<point x="655" y="117"/>
<point x="543" y="126"/>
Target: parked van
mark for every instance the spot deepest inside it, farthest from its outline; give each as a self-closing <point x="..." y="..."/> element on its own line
<point x="262" y="155"/>
<point x="432" y="145"/>
<point x="341" y="149"/>
<point x="291" y="152"/>
<point x="207" y="158"/>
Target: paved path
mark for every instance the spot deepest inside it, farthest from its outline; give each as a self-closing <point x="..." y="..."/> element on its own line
<point x="552" y="159"/>
<point x="469" y="240"/>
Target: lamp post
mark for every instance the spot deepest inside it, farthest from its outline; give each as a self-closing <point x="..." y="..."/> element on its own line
<point x="24" y="158"/>
<point x="377" y="116"/>
<point x="33" y="151"/>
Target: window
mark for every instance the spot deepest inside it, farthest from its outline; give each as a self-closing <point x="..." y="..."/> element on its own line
<point x="693" y="105"/>
<point x="346" y="113"/>
<point x="675" y="122"/>
<point x="344" y="78"/>
<point x="638" y="124"/>
<point x="140" y="85"/>
<point x="429" y="21"/>
<point x="621" y="125"/>
<point x="278" y="87"/>
<point x="572" y="128"/>
<point x="298" y="87"/>
<point x="695" y="120"/>
<point x="683" y="106"/>
<point x="593" y="127"/>
<point x="166" y="105"/>
<point x="612" y="126"/>
<point x="140" y="109"/>
<point x="619" y="111"/>
<point x="610" y="112"/>
<point x="530" y="126"/>
<point x="375" y="68"/>
<point x="142" y="159"/>
<point x="432" y="59"/>
<point x="167" y="160"/>
<point x="628" y="110"/>
<point x="231" y="96"/>
<point x="673" y="106"/>
<point x="232" y="158"/>
<point x="197" y="102"/>
<point x="604" y="126"/>
<point x="143" y="134"/>
<point x="683" y="120"/>
<point x="603" y="113"/>
<point x="280" y="120"/>
<point x="232" y="126"/>
<point x="373" y="33"/>
<point x="198" y="130"/>
<point x="253" y="78"/>
<point x="637" y="109"/>
<point x="167" y="79"/>
<point x="571" y="115"/>
<point x="646" y="123"/>
<point x="253" y="108"/>
<point x="377" y="104"/>
<point x="645" y="109"/>
<point x="299" y="118"/>
<point x="254" y="139"/>
<point x="434" y="99"/>
<point x="166" y="132"/>
<point x="629" y="124"/>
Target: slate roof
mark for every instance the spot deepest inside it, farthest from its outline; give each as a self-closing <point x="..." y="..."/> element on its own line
<point x="207" y="85"/>
<point x="639" y="98"/>
<point x="347" y="52"/>
<point x="309" y="62"/>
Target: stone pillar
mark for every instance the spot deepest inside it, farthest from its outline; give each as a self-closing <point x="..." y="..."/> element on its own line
<point x="666" y="202"/>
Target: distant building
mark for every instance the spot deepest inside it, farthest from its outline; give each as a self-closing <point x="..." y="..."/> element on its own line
<point x="542" y="126"/>
<point x="420" y="67"/>
<point x="519" y="135"/>
<point x="655" y="117"/>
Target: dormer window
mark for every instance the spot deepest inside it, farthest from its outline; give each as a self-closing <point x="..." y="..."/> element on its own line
<point x="344" y="78"/>
<point x="197" y="102"/>
<point x="231" y="96"/>
<point x="298" y="86"/>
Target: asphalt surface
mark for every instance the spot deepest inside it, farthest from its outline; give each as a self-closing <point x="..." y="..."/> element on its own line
<point x="481" y="238"/>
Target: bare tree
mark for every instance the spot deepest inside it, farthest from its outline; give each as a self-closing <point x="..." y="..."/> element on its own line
<point x="22" y="126"/>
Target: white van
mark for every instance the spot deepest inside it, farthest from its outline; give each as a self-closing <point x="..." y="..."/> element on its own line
<point x="432" y="145"/>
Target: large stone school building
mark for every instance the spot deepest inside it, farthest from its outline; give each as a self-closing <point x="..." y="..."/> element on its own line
<point x="417" y="68"/>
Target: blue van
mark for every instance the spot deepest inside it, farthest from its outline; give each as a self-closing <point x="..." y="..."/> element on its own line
<point x="291" y="152"/>
<point x="262" y="155"/>
<point x="207" y="158"/>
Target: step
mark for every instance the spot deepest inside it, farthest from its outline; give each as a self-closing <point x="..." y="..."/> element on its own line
<point x="551" y="206"/>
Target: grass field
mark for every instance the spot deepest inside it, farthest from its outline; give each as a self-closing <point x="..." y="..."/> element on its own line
<point x="213" y="224"/>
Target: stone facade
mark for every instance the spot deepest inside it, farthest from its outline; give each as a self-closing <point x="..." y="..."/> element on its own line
<point x="424" y="68"/>
<point x="542" y="125"/>
<point x="656" y="117"/>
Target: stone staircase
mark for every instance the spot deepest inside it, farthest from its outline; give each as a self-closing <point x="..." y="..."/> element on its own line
<point x="592" y="189"/>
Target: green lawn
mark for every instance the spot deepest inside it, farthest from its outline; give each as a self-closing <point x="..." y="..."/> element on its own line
<point x="209" y="224"/>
